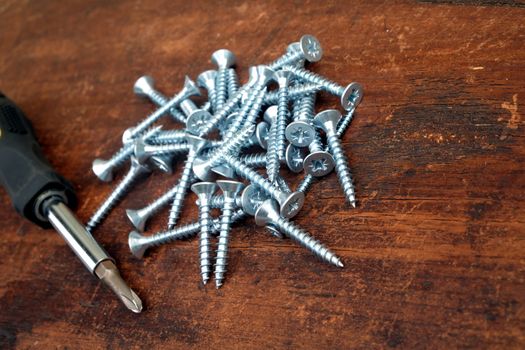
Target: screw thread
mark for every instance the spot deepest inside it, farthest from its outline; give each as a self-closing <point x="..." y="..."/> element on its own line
<point x="185" y="231"/>
<point x="272" y="157"/>
<point x="231" y="146"/>
<point x="221" y="88"/>
<point x="233" y="82"/>
<point x="326" y="84"/>
<point x="307" y="241"/>
<point x="342" y="168"/>
<point x="316" y="145"/>
<point x="125" y="152"/>
<point x="345" y="122"/>
<point x="286" y="59"/>
<point x="252" y="175"/>
<point x="159" y="99"/>
<point x="166" y="148"/>
<point x="294" y="93"/>
<point x="116" y="195"/>
<point x="283" y="114"/>
<point x="221" y="260"/>
<point x="222" y="113"/>
<point x="181" y="189"/>
<point x="216" y="201"/>
<point x="248" y="112"/>
<point x="169" y="136"/>
<point x="254" y="160"/>
<point x="157" y="204"/>
<point x="206" y="226"/>
<point x="305" y="184"/>
<point x="307" y="108"/>
<point x="283" y="185"/>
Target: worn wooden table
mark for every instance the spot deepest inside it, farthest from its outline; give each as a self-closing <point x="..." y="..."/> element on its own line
<point x="434" y="252"/>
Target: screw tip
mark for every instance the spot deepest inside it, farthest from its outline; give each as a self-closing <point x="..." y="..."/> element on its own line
<point x="340" y="264"/>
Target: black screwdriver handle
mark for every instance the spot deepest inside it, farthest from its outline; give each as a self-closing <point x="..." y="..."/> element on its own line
<point x="24" y="171"/>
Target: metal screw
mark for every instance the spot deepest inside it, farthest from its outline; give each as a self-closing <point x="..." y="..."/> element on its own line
<point x="328" y="120"/>
<point x="268" y="213"/>
<point x="189" y="89"/>
<point x="196" y="144"/>
<point x="294" y="93"/>
<point x="204" y="190"/>
<point x="233" y="82"/>
<point x="168" y="136"/>
<point x="295" y="158"/>
<point x="163" y="162"/>
<point x="104" y="169"/>
<point x="143" y="151"/>
<point x="283" y="114"/>
<point x="144" y="87"/>
<point x="197" y="117"/>
<point x="206" y="80"/>
<point x="136" y="170"/>
<point x="350" y="95"/>
<point x="254" y="160"/>
<point x="224" y="59"/>
<point x="230" y="189"/>
<point x="319" y="162"/>
<point x="308" y="49"/>
<point x="290" y="203"/>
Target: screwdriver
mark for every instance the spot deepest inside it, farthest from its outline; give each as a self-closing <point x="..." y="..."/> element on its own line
<point x="42" y="196"/>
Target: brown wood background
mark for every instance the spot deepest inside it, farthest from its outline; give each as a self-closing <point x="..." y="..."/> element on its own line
<point x="435" y="252"/>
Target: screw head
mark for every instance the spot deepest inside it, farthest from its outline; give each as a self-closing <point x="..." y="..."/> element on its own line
<point x="202" y="169"/>
<point x="270" y="115"/>
<point x="140" y="167"/>
<point x="311" y="48"/>
<point x="190" y="88"/>
<point x="291" y="204"/>
<point x="352" y="96"/>
<point x="143" y="86"/>
<point x="267" y="213"/>
<point x="261" y="74"/>
<point x="224" y="170"/>
<point x="223" y="58"/>
<point x="204" y="188"/>
<point x="261" y="133"/>
<point x="196" y="143"/>
<point x="230" y="188"/>
<point x="137" y="247"/>
<point x="318" y="163"/>
<point x="283" y="78"/>
<point x="139" y="150"/>
<point x="126" y="136"/>
<point x="137" y="219"/>
<point x="197" y="120"/>
<point x="274" y="231"/>
<point x="251" y="197"/>
<point x="102" y="170"/>
<point x="207" y="79"/>
<point x="328" y="120"/>
<point x="294" y="47"/>
<point x="294" y="157"/>
<point x="300" y="133"/>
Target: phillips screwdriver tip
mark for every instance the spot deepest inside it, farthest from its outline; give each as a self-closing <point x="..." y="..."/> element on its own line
<point x="108" y="273"/>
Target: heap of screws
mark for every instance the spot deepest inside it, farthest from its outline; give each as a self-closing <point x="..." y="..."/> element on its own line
<point x="236" y="147"/>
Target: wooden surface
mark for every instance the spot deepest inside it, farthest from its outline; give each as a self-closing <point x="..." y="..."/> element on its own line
<point x="434" y="252"/>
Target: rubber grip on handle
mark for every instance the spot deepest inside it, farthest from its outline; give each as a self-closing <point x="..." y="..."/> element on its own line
<point x="24" y="171"/>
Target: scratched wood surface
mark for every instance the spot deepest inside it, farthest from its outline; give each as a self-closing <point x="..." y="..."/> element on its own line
<point x="434" y="253"/>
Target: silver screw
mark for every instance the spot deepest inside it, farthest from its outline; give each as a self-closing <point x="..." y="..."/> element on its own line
<point x="308" y="48"/>
<point x="204" y="190"/>
<point x="136" y="171"/>
<point x="206" y="80"/>
<point x="254" y="160"/>
<point x="196" y="117"/>
<point x="143" y="151"/>
<point x="224" y="59"/>
<point x="350" y="95"/>
<point x="189" y="89"/>
<point x="230" y="189"/>
<point x="301" y="132"/>
<point x="144" y="87"/>
<point x="168" y="136"/>
<point x="328" y="120"/>
<point x="283" y="114"/>
<point x="196" y="144"/>
<point x="282" y="184"/>
<point x="268" y="213"/>
<point x="290" y="203"/>
<point x="163" y="162"/>
<point x="295" y="158"/>
<point x="138" y="243"/>
<point x="104" y="169"/>
<point x="319" y="162"/>
<point x="233" y="82"/>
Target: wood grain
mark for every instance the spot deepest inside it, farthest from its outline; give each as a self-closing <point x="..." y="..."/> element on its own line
<point x="434" y="253"/>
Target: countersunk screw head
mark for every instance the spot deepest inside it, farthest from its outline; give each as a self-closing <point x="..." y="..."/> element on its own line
<point x="267" y="213"/>
<point x="137" y="247"/>
<point x="139" y="150"/>
<point x="351" y="96"/>
<point x="204" y="188"/>
<point x="261" y="133"/>
<point x="283" y="78"/>
<point x="196" y="143"/>
<point x="138" y="220"/>
<point x="328" y="120"/>
<point x="251" y="197"/>
<point x="300" y="133"/>
<point x="229" y="187"/>
<point x="197" y="120"/>
<point x="202" y="169"/>
<point x="223" y="58"/>
<point x="224" y="170"/>
<point x="311" y="48"/>
<point x="143" y="85"/>
<point x="190" y="88"/>
<point x="264" y="74"/>
<point x="163" y="162"/>
<point x="294" y="158"/>
<point x="102" y="169"/>
<point x="270" y="115"/>
<point x="318" y="163"/>
<point x="291" y="204"/>
<point x="207" y="79"/>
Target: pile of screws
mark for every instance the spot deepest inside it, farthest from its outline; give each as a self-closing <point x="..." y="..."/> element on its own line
<point x="227" y="136"/>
